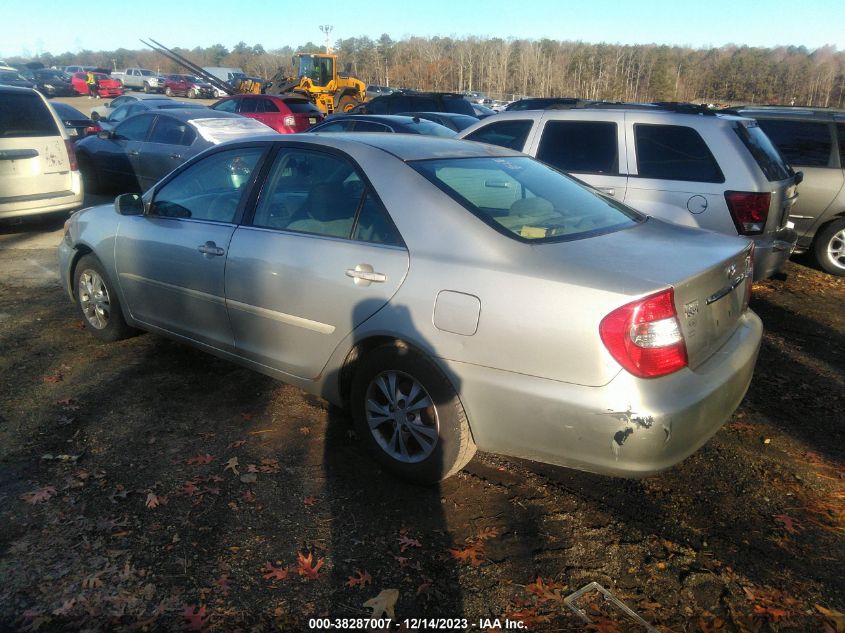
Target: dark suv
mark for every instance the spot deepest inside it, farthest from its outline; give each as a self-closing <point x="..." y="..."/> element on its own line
<point x="812" y="140"/>
<point x="416" y="102"/>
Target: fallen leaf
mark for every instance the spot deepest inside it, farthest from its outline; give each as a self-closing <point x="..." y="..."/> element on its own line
<point x="306" y="566"/>
<point x="92" y="582"/>
<point x="304" y="430"/>
<point x="384" y="604"/>
<point x="488" y="533"/>
<point x="359" y="579"/>
<point x="275" y="573"/>
<point x="189" y="488"/>
<point x="195" y="617"/>
<point x="546" y="590"/>
<point x="40" y="495"/>
<point x="248" y="496"/>
<point x="837" y="617"/>
<point x="53" y="378"/>
<point x="232" y="464"/>
<point x="154" y="501"/>
<point x="406" y="542"/>
<point x="789" y="524"/>
<point x="270" y="466"/>
<point x="309" y="500"/>
<point x="470" y="554"/>
<point x="199" y="459"/>
<point x="237" y="444"/>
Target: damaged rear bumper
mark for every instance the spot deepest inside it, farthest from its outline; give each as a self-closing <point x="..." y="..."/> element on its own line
<point x="631" y="427"/>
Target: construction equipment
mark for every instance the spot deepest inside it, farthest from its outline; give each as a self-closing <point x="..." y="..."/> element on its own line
<point x="318" y="80"/>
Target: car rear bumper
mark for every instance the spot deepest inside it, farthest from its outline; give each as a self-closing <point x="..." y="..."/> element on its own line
<point x="630" y="427"/>
<point x="41" y="205"/>
<point x="771" y="252"/>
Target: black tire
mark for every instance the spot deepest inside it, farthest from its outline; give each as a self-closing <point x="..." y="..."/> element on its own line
<point x="97" y="301"/>
<point x="146" y="88"/>
<point x="829" y="247"/>
<point x="192" y="94"/>
<point x="90" y="177"/>
<point x="168" y="92"/>
<point x="346" y="103"/>
<point x="443" y="421"/>
<point x="95" y="116"/>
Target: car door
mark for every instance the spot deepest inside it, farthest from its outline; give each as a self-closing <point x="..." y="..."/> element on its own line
<point x="115" y="157"/>
<point x="592" y="151"/>
<point x="167" y="146"/>
<point x="171" y="260"/>
<point x="318" y="258"/>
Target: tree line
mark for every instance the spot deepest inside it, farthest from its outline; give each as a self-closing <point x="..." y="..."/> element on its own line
<point x="510" y="68"/>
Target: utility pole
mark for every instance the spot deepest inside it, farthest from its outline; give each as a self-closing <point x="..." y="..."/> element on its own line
<point x="327" y="29"/>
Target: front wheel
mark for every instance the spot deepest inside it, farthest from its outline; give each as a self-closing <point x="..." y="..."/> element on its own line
<point x="409" y="415"/>
<point x="168" y="91"/>
<point x="829" y="248"/>
<point x="346" y="103"/>
<point x="192" y="94"/>
<point x="97" y="301"/>
<point x="146" y="88"/>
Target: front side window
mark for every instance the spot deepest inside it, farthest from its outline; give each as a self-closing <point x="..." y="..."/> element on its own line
<point x="588" y="147"/>
<point x="511" y="134"/>
<point x="801" y="143"/>
<point x="134" y="129"/>
<point x="322" y="194"/>
<point x="674" y="152"/>
<point x="229" y="105"/>
<point x="210" y="189"/>
<point x="526" y="200"/>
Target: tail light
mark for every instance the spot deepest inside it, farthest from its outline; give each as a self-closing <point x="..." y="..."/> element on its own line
<point x="92" y="129"/>
<point x="289" y="121"/>
<point x="645" y="337"/>
<point x="71" y="154"/>
<point x="749" y="211"/>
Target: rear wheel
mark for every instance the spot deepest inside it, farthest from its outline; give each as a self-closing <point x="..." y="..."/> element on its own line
<point x="192" y="93"/>
<point x="146" y="88"/>
<point x="409" y="415"/>
<point x="346" y="103"/>
<point x="829" y="247"/>
<point x="97" y="302"/>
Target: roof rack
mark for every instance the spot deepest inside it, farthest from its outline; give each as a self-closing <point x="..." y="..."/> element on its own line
<point x="667" y="106"/>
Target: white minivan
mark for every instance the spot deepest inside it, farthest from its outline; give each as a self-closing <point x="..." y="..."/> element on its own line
<point x="38" y="169"/>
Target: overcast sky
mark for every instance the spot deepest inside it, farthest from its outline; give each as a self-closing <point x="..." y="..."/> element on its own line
<point x="57" y="26"/>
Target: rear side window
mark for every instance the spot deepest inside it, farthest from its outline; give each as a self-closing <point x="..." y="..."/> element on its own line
<point x="230" y="105"/>
<point x="840" y="129"/>
<point x="135" y="129"/>
<point x="302" y="107"/>
<point x="269" y="106"/>
<point x="764" y="152"/>
<point x="25" y="115"/>
<point x="510" y="134"/>
<point x="580" y="146"/>
<point x="800" y="142"/>
<point x="422" y="104"/>
<point x="172" y="132"/>
<point x="674" y="152"/>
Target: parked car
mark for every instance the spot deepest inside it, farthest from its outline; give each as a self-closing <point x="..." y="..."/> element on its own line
<point x="453" y="295"/>
<point x="374" y="90"/>
<point x="50" y="82"/>
<point x="145" y="147"/>
<point x="680" y="163"/>
<point x="540" y="103"/>
<point x="140" y="79"/>
<point x="813" y="140"/>
<point x="104" y="110"/>
<point x="451" y="120"/>
<point x="120" y="114"/>
<point x="285" y="114"/>
<point x="14" y="78"/>
<point x="400" y="101"/>
<point x="382" y="123"/>
<point x="187" y="86"/>
<point x="38" y="166"/>
<point x="106" y="86"/>
<point x="77" y="125"/>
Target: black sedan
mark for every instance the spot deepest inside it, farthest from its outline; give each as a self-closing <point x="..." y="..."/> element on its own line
<point x="14" y="78"/>
<point x="78" y="125"/>
<point x="51" y="82"/>
<point x="147" y="146"/>
<point x="382" y="123"/>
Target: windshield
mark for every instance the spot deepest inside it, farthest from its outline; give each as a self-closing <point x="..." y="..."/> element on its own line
<point x="525" y="199"/>
<point x="319" y="70"/>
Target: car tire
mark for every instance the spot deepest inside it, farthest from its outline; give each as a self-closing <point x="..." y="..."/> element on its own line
<point x="346" y="103"/>
<point x="192" y="94"/>
<point x="829" y="247"/>
<point x="168" y="92"/>
<point x="429" y="443"/>
<point x="90" y="177"/>
<point x="97" y="301"/>
<point x="146" y="88"/>
<point x="95" y="116"/>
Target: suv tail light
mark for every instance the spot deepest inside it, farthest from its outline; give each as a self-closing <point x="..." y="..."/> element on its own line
<point x="645" y="337"/>
<point x="71" y="154"/>
<point x="749" y="211"/>
<point x="289" y="121"/>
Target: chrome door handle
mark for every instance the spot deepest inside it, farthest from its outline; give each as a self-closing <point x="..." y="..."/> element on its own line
<point x="210" y="249"/>
<point x="364" y="275"/>
<point x="610" y="191"/>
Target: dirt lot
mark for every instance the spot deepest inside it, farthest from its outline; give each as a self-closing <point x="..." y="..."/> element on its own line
<point x="148" y="486"/>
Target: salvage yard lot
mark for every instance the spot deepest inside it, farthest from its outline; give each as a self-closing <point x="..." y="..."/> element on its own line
<point x="147" y="485"/>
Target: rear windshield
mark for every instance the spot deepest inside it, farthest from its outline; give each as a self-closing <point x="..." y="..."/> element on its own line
<point x="454" y="104"/>
<point x="424" y="126"/>
<point x="302" y="107"/>
<point x="764" y="152"/>
<point x="525" y="199"/>
<point x="23" y="115"/>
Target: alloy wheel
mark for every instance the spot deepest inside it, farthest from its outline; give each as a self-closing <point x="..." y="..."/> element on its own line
<point x="836" y="249"/>
<point x="94" y="299"/>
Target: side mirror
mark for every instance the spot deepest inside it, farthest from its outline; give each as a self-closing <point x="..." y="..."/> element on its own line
<point x="104" y="134"/>
<point x="799" y="177"/>
<point x="129" y="204"/>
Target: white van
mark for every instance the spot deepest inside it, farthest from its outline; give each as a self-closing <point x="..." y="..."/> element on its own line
<point x="38" y="169"/>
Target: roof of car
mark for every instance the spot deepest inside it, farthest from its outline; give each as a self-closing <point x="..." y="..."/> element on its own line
<point x="7" y="88"/>
<point x="786" y="112"/>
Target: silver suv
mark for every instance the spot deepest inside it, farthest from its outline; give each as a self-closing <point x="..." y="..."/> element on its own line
<point x="679" y="163"/>
<point x="813" y="140"/>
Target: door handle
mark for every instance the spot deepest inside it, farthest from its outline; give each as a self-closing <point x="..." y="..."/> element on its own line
<point x="610" y="191"/>
<point x="176" y="156"/>
<point x="210" y="249"/>
<point x="364" y="275"/>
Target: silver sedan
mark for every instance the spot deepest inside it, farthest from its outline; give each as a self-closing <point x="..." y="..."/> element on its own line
<point x="452" y="295"/>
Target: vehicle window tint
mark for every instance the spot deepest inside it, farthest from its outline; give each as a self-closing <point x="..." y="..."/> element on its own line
<point x="25" y="115"/>
<point x="303" y="107"/>
<point x="422" y="104"/>
<point x="377" y="106"/>
<point x="400" y="104"/>
<point x="368" y="126"/>
<point x="310" y="192"/>
<point x="334" y="126"/>
<point x="230" y="105"/>
<point x="840" y="130"/>
<point x="134" y="129"/>
<point x="589" y="147"/>
<point x="764" y="152"/>
<point x="210" y="189"/>
<point x="457" y="104"/>
<point x="801" y="143"/>
<point x="674" y="152"/>
<point x="524" y="199"/>
<point x="374" y="224"/>
<point x="172" y="132"/>
<point x="269" y="106"/>
<point x="248" y="106"/>
<point x="510" y="134"/>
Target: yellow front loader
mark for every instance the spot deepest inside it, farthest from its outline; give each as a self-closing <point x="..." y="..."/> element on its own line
<point x="318" y="79"/>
